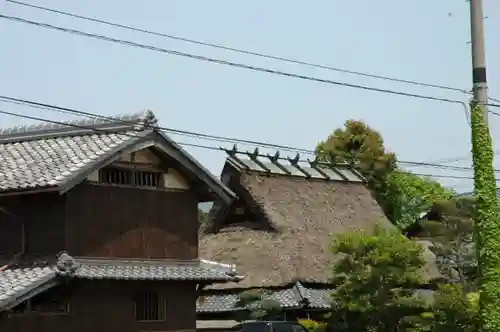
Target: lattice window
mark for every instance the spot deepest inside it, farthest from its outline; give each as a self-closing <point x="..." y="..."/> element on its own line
<point x="148" y="179"/>
<point x="131" y="177"/>
<point x="150" y="306"/>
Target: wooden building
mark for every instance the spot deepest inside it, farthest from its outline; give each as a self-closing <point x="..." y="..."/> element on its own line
<point x="99" y="228"/>
<point x="279" y="230"/>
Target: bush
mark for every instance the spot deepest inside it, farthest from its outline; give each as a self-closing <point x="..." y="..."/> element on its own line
<point x="312" y="325"/>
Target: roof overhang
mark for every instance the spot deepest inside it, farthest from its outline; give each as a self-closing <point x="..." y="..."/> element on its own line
<point x="16" y="290"/>
<point x="141" y="140"/>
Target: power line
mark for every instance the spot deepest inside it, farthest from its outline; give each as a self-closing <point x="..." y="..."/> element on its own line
<point x="229" y="63"/>
<point x="97" y="130"/>
<point x="456" y="177"/>
<point x="232" y="49"/>
<point x="169" y="130"/>
<point x="204" y="136"/>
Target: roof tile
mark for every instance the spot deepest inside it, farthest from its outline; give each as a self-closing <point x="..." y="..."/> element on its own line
<point x="50" y="161"/>
<point x="15" y="283"/>
<point x="151" y="271"/>
<point x="18" y="282"/>
<point x="45" y="155"/>
<point x="292" y="297"/>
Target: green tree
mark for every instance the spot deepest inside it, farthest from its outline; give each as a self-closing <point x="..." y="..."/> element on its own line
<point x="408" y="196"/>
<point x="360" y="145"/>
<point x="452" y="310"/>
<point x="402" y="196"/>
<point x="451" y="230"/>
<point x="259" y="305"/>
<point x="376" y="278"/>
<point x="202" y="217"/>
<point x="487" y="223"/>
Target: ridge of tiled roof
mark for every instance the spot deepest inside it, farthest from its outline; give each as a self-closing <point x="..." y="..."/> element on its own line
<point x="17" y="284"/>
<point x="59" y="156"/>
<point x="295" y="295"/>
<point x="135" y="121"/>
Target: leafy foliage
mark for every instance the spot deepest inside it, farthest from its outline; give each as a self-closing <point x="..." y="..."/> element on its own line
<point x="453" y="310"/>
<point x="312" y="325"/>
<point x="402" y="196"/>
<point x="259" y="304"/>
<point x="376" y="276"/>
<point x="363" y="147"/>
<point x="202" y="217"/>
<point x="409" y="195"/>
<point x="452" y="232"/>
<point x="487" y="223"/>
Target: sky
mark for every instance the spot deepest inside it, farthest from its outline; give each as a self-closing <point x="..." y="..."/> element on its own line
<point x="424" y="40"/>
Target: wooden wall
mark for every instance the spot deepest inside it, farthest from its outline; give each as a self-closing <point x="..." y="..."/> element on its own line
<point x="43" y="218"/>
<point x="110" y="221"/>
<point x="107" y="306"/>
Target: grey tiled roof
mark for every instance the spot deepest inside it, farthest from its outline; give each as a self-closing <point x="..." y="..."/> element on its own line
<point x="292" y="297"/>
<point x="18" y="284"/>
<point x="156" y="270"/>
<point x="48" y="155"/>
<point x="52" y="161"/>
<point x="60" y="155"/>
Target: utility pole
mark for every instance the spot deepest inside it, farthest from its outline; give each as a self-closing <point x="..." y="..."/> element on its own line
<point x="487" y="219"/>
<point x="480" y="86"/>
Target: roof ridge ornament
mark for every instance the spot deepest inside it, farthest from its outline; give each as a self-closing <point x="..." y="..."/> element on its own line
<point x="147" y="120"/>
<point x="66" y="265"/>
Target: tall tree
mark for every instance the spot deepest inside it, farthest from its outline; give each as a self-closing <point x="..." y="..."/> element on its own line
<point x="450" y="228"/>
<point x="408" y="196"/>
<point x="363" y="147"/>
<point x="403" y="196"/>
<point x="376" y="275"/>
<point x="258" y="304"/>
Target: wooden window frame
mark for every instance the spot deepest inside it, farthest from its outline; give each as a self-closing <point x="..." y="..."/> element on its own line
<point x="160" y="303"/>
<point x="132" y="173"/>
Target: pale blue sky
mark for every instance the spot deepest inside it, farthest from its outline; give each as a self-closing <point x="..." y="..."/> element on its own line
<point x="422" y="40"/>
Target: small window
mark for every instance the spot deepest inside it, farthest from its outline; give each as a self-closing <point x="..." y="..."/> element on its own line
<point x="131" y="177"/>
<point x="116" y="176"/>
<point x="148" y="179"/>
<point x="150" y="306"/>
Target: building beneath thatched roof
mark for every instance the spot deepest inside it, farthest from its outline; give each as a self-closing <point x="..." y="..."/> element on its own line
<point x="279" y="230"/>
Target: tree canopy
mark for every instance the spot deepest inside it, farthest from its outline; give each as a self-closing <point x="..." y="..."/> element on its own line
<point x="451" y="229"/>
<point x="376" y="278"/>
<point x="408" y="195"/>
<point x="402" y="195"/>
<point x="380" y="284"/>
<point x="258" y="304"/>
<point x="360" y="145"/>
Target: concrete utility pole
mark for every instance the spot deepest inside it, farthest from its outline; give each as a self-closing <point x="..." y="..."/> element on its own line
<point x="480" y="86"/>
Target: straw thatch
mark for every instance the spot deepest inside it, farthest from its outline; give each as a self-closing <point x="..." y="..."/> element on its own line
<point x="288" y="236"/>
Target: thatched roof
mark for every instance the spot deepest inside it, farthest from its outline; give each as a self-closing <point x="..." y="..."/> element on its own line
<point x="285" y="232"/>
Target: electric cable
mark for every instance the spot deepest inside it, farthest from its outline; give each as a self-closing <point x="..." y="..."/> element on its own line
<point x="229" y="63"/>
<point x="237" y="50"/>
<point x="187" y="133"/>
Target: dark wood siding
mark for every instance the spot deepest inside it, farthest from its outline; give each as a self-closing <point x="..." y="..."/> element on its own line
<point x="110" y="221"/>
<point x="43" y="218"/>
<point x="108" y="307"/>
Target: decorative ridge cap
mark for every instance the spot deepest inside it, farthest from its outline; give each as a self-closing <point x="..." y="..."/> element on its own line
<point x="138" y="121"/>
